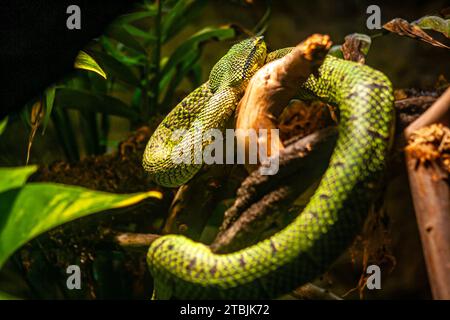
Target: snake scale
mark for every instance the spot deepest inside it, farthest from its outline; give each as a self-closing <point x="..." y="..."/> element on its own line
<point x="303" y="250"/>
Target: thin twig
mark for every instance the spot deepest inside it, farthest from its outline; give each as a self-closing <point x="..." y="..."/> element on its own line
<point x="195" y="201"/>
<point x="310" y="291"/>
<point x="438" y="112"/>
<point x="135" y="239"/>
<point x="262" y="199"/>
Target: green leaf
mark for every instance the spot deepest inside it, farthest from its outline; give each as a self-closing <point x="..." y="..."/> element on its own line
<point x="116" y="68"/>
<point x="136" y="16"/>
<point x="136" y="100"/>
<point x="177" y="76"/>
<point x="121" y="35"/>
<point x="195" y="74"/>
<point x="137" y="60"/>
<point x="3" y="124"/>
<point x="336" y="51"/>
<point x="89" y="126"/>
<point x="86" y="101"/>
<point x="38" y="207"/>
<point x="434" y="23"/>
<point x="48" y="105"/>
<point x="194" y="42"/>
<point x="65" y="134"/>
<point x="183" y="12"/>
<point x="136" y="32"/>
<point x="86" y="62"/>
<point x="7" y="296"/>
<point x="183" y="59"/>
<point x="12" y="178"/>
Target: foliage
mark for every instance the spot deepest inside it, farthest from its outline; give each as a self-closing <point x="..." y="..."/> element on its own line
<point x="434" y="23"/>
<point x="86" y="62"/>
<point x="5" y="296"/>
<point x="3" y="124"/>
<point x="128" y="59"/>
<point x="29" y="209"/>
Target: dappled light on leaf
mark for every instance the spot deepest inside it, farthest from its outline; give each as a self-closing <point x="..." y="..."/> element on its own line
<point x="15" y="177"/>
<point x="86" y="62"/>
<point x="7" y="296"/>
<point x="35" y="208"/>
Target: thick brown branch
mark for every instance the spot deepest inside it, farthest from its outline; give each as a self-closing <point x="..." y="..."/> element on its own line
<point x="275" y="84"/>
<point x="261" y="199"/>
<point x="195" y="201"/>
<point x="410" y="109"/>
<point x="430" y="190"/>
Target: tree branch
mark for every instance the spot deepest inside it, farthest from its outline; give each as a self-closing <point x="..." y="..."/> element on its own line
<point x="135" y="240"/>
<point x="428" y="145"/>
<point x="262" y="199"/>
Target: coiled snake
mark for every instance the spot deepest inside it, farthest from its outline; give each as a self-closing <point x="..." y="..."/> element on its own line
<point x="304" y="249"/>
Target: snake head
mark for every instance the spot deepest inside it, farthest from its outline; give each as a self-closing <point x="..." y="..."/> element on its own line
<point x="239" y="64"/>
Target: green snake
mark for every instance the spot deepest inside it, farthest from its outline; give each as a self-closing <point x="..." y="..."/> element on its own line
<point x="182" y="268"/>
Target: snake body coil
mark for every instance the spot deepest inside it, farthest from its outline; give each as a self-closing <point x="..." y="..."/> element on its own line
<point x="305" y="248"/>
<point x="207" y="107"/>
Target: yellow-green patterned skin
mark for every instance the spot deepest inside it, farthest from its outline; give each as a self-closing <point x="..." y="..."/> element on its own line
<point x="304" y="249"/>
<point x="207" y="107"/>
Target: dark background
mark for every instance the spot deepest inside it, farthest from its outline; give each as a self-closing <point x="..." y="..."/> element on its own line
<point x="36" y="48"/>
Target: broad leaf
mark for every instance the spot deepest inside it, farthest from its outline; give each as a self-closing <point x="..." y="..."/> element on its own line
<point x="118" y="33"/>
<point x="11" y="178"/>
<point x="434" y="23"/>
<point x="178" y="75"/>
<point x="86" y="62"/>
<point x="35" y="208"/>
<point x="49" y="100"/>
<point x="66" y="134"/>
<point x="136" y="32"/>
<point x="179" y="15"/>
<point x="7" y="296"/>
<point x="110" y="47"/>
<point x="193" y="43"/>
<point x="136" y="16"/>
<point x="86" y="101"/>
<point x="116" y="68"/>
